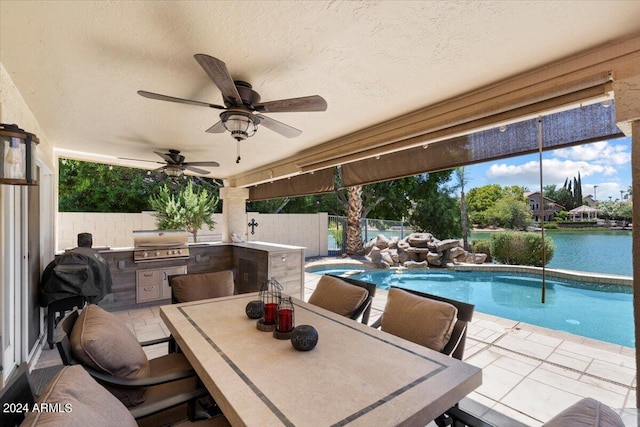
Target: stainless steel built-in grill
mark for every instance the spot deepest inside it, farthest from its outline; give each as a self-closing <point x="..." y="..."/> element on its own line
<point x="155" y="245"/>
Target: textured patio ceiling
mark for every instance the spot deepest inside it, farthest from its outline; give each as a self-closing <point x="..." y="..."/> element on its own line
<point x="78" y="66"/>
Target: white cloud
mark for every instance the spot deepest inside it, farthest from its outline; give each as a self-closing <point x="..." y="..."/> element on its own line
<point x="606" y="164"/>
<point x="555" y="171"/>
<point x="603" y="153"/>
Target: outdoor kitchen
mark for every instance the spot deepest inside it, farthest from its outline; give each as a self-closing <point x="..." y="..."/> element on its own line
<point x="140" y="273"/>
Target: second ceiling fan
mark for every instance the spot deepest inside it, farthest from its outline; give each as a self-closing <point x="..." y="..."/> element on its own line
<point x="242" y="110"/>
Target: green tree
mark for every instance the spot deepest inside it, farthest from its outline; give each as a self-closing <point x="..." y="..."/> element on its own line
<point x="96" y="187"/>
<point x="480" y="199"/>
<point x="510" y="212"/>
<point x="493" y="205"/>
<point x="625" y="211"/>
<point x="436" y="211"/>
<point x="187" y="209"/>
<point x="389" y="199"/>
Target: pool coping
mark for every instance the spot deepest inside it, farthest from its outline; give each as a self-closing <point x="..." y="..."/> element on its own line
<point x="582" y="276"/>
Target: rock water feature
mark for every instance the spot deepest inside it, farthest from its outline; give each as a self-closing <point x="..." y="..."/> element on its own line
<point x="418" y="251"/>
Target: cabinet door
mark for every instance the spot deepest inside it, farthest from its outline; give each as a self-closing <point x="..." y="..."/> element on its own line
<point x="166" y="272"/>
<point x="147" y="285"/>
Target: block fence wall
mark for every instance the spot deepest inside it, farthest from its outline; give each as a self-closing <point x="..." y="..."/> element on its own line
<point x="116" y="229"/>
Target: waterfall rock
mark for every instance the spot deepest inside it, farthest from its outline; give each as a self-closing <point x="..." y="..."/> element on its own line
<point x="419" y="250"/>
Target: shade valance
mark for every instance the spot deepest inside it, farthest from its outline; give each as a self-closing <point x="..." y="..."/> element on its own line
<point x="317" y="182"/>
<point x="582" y="125"/>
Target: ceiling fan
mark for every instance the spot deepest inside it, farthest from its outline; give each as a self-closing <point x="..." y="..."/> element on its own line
<point x="242" y="106"/>
<point x="174" y="164"/>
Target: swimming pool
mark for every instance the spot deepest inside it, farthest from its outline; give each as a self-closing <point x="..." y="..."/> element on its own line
<point x="602" y="312"/>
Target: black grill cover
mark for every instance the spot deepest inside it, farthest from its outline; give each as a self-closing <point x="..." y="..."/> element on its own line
<point x="78" y="272"/>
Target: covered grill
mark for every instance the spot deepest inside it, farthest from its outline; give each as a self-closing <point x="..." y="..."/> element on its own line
<point x="71" y="279"/>
<point x="78" y="272"/>
<point x="155" y="245"/>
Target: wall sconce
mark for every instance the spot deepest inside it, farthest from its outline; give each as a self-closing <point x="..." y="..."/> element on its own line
<point x="17" y="156"/>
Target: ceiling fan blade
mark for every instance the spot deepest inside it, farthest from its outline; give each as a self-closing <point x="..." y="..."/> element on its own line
<point x="217" y="128"/>
<point x="157" y="96"/>
<point x="218" y="72"/>
<point x="305" y="103"/>
<point x="279" y="127"/>
<point x="140" y="160"/>
<point x="167" y="158"/>
<point x="211" y="164"/>
<point x="196" y="170"/>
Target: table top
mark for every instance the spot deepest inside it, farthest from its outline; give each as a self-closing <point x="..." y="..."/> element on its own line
<point x="356" y="375"/>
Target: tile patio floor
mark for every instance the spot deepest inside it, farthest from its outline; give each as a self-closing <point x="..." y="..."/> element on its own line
<point x="529" y="373"/>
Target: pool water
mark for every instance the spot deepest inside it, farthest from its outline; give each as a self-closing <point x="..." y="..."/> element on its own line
<point x="602" y="312"/>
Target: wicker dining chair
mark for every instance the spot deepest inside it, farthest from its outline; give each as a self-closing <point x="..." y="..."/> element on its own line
<point x="345" y="296"/>
<point x="108" y="350"/>
<point x="435" y="322"/>
<point x="199" y="286"/>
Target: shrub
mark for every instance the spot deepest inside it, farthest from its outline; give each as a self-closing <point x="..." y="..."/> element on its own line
<point x="189" y="209"/>
<point x="482" y="247"/>
<point x="337" y="231"/>
<point x="521" y="248"/>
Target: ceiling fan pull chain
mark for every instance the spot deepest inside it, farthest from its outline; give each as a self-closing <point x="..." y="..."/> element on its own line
<point x="238" y="149"/>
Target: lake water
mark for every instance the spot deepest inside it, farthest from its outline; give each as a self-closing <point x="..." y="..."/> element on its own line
<point x="595" y="251"/>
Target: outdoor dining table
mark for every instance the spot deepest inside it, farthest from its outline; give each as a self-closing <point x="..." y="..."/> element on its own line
<point x="356" y="375"/>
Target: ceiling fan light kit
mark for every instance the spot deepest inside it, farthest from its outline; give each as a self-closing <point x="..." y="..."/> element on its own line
<point x="242" y="104"/>
<point x="241" y="124"/>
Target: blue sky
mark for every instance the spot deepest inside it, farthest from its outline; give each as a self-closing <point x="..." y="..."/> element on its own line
<point x="606" y="164"/>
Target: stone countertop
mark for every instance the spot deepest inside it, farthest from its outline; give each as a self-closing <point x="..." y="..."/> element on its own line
<point x="266" y="246"/>
<point x="263" y="246"/>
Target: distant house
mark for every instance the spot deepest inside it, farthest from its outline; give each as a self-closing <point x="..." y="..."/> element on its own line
<point x="548" y="212"/>
<point x="589" y="200"/>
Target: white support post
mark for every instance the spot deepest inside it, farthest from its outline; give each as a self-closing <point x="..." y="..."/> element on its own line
<point x="234" y="217"/>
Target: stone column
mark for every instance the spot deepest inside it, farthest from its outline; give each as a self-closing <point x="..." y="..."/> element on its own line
<point x="626" y="86"/>
<point x="234" y="217"/>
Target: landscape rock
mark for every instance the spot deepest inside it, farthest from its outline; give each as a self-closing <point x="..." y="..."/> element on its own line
<point x="381" y="241"/>
<point x="434" y="259"/>
<point x="444" y="245"/>
<point x="414" y="265"/>
<point x="403" y="245"/>
<point x="419" y="240"/>
<point x="457" y="252"/>
<point x="418" y="250"/>
<point x="386" y="257"/>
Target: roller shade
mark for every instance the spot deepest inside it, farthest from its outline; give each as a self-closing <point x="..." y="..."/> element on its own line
<point x="318" y="182"/>
<point x="578" y="126"/>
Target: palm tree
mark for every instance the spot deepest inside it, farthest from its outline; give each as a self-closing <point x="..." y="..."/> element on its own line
<point x="354" y="211"/>
<point x="464" y="217"/>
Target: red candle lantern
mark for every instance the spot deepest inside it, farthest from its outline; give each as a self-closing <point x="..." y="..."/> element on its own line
<point x="270" y="294"/>
<point x="286" y="319"/>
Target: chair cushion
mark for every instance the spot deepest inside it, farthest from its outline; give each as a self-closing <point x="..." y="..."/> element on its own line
<point x="79" y="401"/>
<point x="418" y="319"/>
<point x="193" y="287"/>
<point x="338" y="296"/>
<point x="102" y="341"/>
<point x="587" y="412"/>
